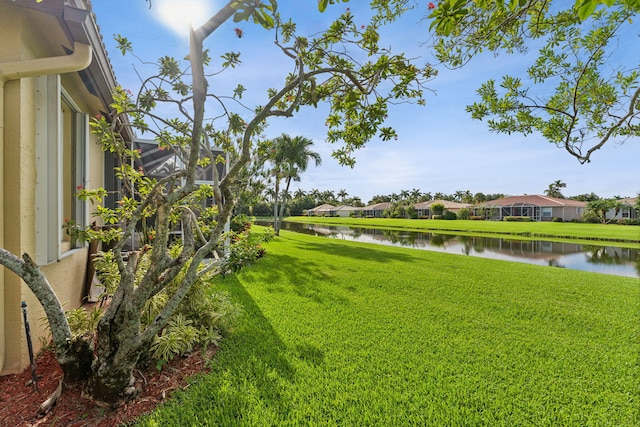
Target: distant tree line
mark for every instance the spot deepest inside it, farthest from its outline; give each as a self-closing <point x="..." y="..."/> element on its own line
<point x="260" y="199"/>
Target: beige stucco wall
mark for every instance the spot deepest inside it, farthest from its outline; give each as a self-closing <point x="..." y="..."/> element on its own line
<point x="567" y="213"/>
<point x="17" y="198"/>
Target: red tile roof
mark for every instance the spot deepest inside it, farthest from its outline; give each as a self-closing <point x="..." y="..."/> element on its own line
<point x="534" y="200"/>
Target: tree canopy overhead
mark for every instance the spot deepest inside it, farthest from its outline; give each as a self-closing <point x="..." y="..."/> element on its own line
<point x="582" y="89"/>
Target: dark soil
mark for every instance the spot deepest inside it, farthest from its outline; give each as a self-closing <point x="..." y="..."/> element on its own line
<point x="19" y="402"/>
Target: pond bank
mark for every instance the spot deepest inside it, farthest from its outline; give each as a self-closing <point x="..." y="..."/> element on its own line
<point x="612" y="234"/>
<point x="594" y="257"/>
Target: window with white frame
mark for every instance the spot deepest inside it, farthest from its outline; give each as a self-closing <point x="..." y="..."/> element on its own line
<point x="546" y="212"/>
<point x="61" y="166"/>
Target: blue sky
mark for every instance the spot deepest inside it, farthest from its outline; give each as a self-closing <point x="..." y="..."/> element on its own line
<point x="439" y="148"/>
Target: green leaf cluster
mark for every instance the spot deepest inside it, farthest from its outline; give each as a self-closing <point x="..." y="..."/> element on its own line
<point x="571" y="94"/>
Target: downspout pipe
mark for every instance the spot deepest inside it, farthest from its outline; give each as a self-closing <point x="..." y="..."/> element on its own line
<point x="78" y="60"/>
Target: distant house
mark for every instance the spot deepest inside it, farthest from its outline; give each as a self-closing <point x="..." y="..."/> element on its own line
<point x="322" y="210"/>
<point x="423" y="209"/>
<point x="330" y="210"/>
<point x="376" y="210"/>
<point x="344" y="211"/>
<point x="627" y="211"/>
<point x="539" y="208"/>
<point x="54" y="77"/>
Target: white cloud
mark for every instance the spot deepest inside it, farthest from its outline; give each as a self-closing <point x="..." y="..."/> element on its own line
<point x="177" y="16"/>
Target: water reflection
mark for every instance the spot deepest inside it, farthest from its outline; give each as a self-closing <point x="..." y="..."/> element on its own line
<point x="594" y="258"/>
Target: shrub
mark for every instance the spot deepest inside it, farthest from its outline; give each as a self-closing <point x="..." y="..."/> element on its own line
<point x="437" y="209"/>
<point x="450" y="215"/>
<point x="240" y="223"/>
<point x="627" y="221"/>
<point x="557" y="220"/>
<point x="590" y="217"/>
<point x="245" y="248"/>
<point x="476" y="217"/>
<point x="263" y="209"/>
<point x="464" y="214"/>
<point x="517" y="218"/>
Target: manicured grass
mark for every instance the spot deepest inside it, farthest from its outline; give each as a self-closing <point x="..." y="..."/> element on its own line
<point x="350" y="334"/>
<point x="566" y="230"/>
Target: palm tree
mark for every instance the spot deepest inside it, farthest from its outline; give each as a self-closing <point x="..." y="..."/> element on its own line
<point x="342" y="194"/>
<point x="467" y="197"/>
<point x="554" y="189"/>
<point x="299" y="194"/>
<point x="425" y="197"/>
<point x="290" y="158"/>
<point x="479" y="198"/>
<point x="356" y="201"/>
<point x="269" y="195"/>
<point x="328" y="196"/>
<point x="315" y="195"/>
<point x="415" y="195"/>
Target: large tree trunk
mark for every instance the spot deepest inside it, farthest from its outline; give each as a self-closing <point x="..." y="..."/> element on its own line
<point x="117" y="351"/>
<point x="112" y="378"/>
<point x="282" y="203"/>
<point x="276" y="223"/>
<point x="75" y="358"/>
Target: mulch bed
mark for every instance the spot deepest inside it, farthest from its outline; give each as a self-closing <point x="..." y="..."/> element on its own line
<point x="19" y="402"/>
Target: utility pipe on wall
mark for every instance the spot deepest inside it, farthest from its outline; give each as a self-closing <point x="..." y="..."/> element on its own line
<point x="76" y="61"/>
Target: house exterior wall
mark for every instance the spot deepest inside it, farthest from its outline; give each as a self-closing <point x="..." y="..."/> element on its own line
<point x="22" y="33"/>
<point x="568" y="213"/>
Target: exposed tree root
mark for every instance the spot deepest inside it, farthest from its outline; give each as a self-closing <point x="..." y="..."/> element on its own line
<point x="48" y="404"/>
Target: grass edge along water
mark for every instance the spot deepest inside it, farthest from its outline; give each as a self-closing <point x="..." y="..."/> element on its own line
<point x="616" y="235"/>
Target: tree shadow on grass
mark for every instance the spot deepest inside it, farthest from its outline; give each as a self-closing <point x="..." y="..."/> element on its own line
<point x="309" y="267"/>
<point x="249" y="373"/>
<point x="357" y="252"/>
<point x="286" y="273"/>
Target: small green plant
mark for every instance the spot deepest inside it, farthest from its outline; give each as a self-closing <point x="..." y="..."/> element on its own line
<point x="245" y="248"/>
<point x="240" y="223"/>
<point x="177" y="339"/>
<point x="107" y="271"/>
<point x="83" y="321"/>
<point x="74" y="231"/>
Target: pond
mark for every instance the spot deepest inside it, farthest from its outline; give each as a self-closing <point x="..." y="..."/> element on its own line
<point x="594" y="258"/>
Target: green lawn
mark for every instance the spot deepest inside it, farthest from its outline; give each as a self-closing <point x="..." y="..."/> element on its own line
<point x="566" y="230"/>
<point x="350" y="334"/>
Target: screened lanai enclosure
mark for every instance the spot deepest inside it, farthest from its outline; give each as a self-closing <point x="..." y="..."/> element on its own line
<point x="497" y="213"/>
<point x="159" y="162"/>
